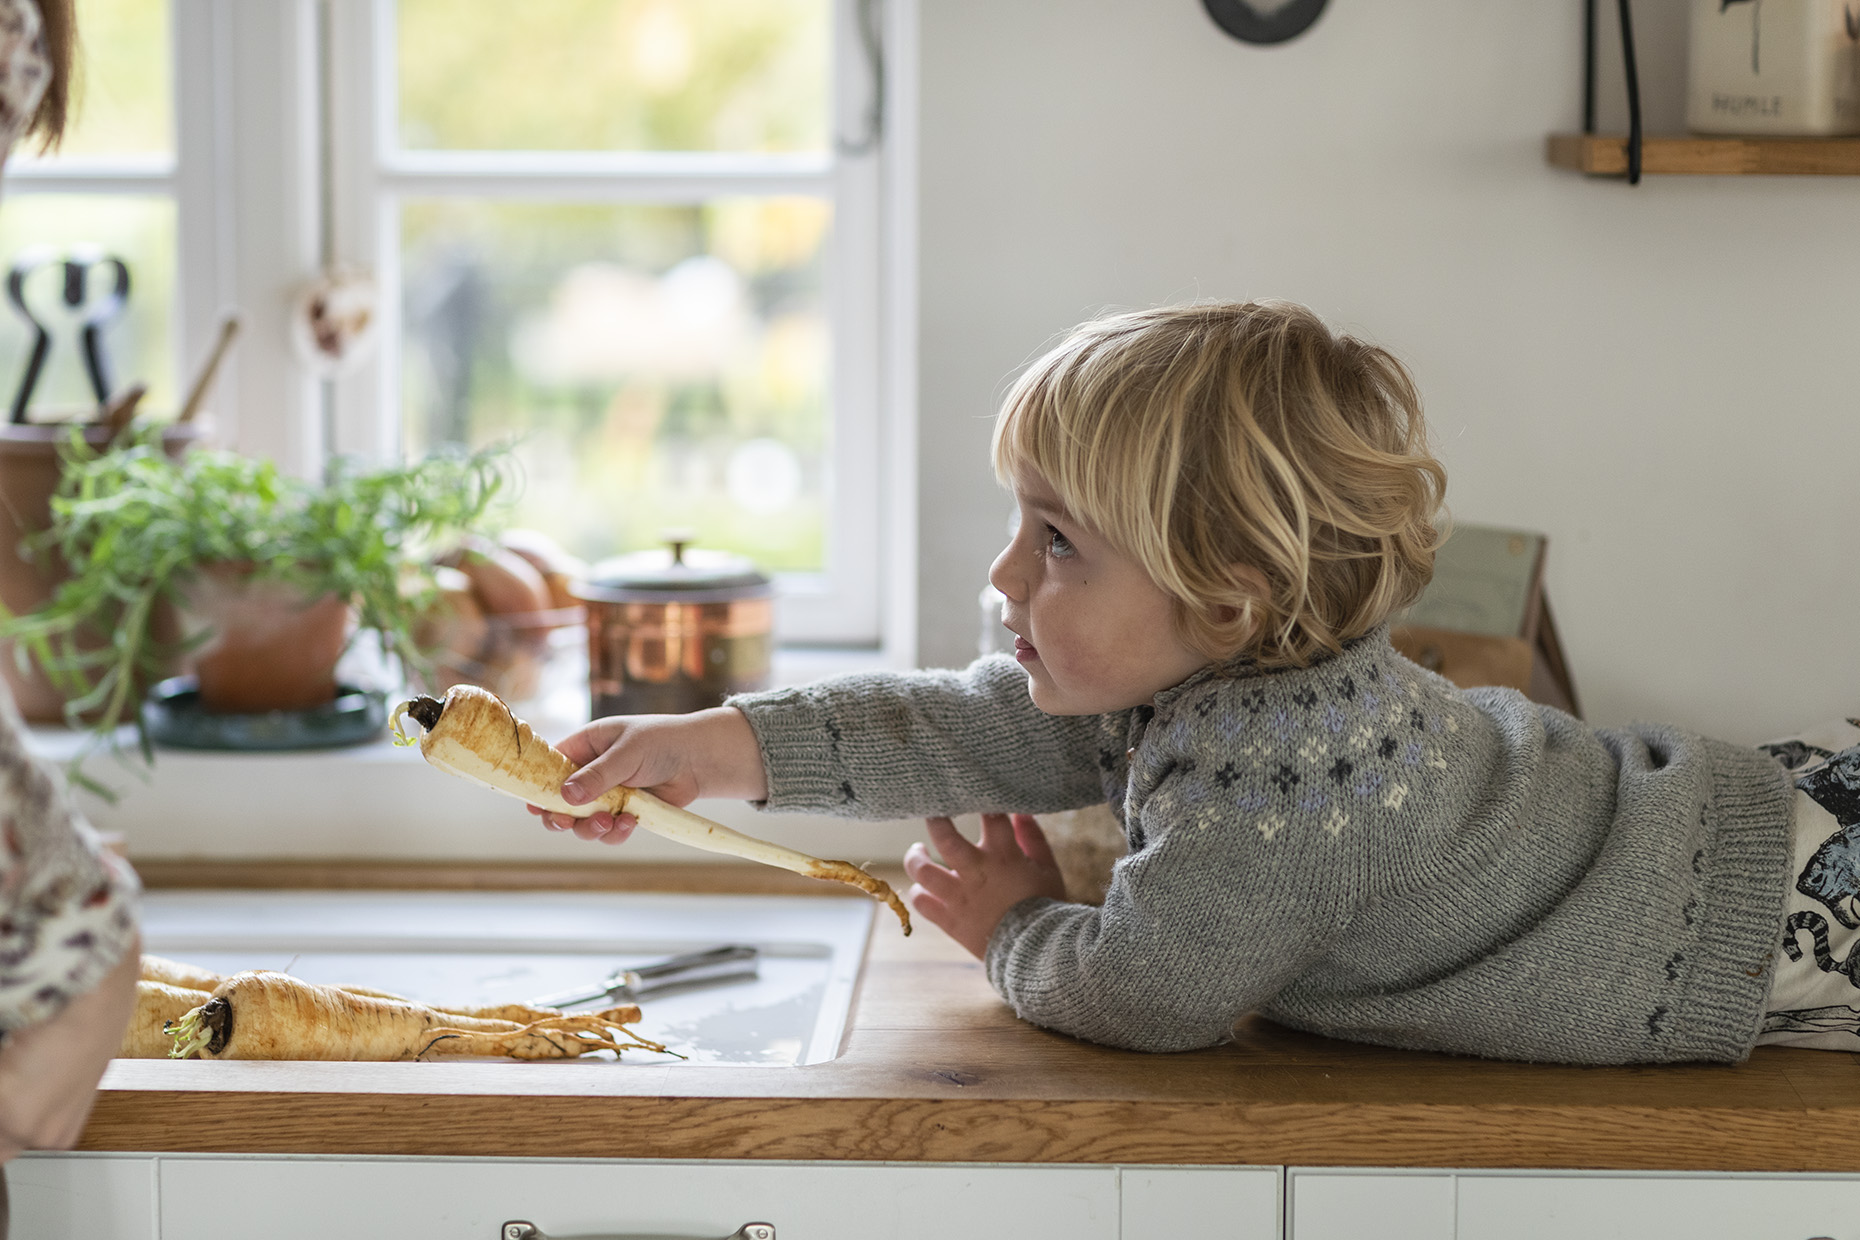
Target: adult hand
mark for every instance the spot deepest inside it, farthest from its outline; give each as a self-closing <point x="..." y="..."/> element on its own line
<point x="49" y="1071"/>
<point x="677" y="758"/>
<point x="977" y="884"/>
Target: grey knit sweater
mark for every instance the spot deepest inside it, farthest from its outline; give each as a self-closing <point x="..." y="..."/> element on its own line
<point x="1357" y="848"/>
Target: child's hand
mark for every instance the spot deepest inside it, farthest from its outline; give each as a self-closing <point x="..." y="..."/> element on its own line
<point x="677" y="758"/>
<point x="969" y="895"/>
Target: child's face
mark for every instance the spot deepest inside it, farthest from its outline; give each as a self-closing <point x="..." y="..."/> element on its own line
<point x="1095" y="633"/>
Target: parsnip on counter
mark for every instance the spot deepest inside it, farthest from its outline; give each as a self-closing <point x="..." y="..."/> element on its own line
<point x="183" y="1011"/>
<point x="474" y="735"/>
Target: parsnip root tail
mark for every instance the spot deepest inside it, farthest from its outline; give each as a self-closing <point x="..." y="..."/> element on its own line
<point x="559" y="1037"/>
<point x="675" y="823"/>
<point x="878" y="888"/>
<point x="524" y="1014"/>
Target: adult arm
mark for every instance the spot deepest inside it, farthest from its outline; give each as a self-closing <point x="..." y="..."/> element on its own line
<point x="69" y="952"/>
<point x="49" y="1071"/>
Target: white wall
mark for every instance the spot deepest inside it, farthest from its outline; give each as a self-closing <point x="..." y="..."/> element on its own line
<point x="1661" y="378"/>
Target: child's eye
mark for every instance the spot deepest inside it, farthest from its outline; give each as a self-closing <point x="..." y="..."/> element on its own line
<point x="1058" y="545"/>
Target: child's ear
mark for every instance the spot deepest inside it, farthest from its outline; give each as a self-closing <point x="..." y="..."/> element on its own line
<point x="1251" y="582"/>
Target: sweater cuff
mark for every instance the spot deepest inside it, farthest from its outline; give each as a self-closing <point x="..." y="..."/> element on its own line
<point x="1013" y="925"/>
<point x="1744" y="891"/>
<point x="793" y="730"/>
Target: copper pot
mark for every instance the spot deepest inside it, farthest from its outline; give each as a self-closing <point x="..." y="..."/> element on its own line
<point x="675" y="630"/>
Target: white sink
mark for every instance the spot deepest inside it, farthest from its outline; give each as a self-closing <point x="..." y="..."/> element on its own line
<point x="502" y="947"/>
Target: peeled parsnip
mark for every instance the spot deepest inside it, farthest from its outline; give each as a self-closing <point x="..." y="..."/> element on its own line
<point x="474" y="735"/>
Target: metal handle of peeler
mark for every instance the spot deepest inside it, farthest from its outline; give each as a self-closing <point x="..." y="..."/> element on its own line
<point x="736" y="962"/>
<point x="520" y="1229"/>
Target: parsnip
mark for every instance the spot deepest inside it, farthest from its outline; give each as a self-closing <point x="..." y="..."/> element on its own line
<point x="205" y="981"/>
<point x="157" y="1003"/>
<point x="474" y="735"/>
<point x="174" y="973"/>
<point x="265" y="1015"/>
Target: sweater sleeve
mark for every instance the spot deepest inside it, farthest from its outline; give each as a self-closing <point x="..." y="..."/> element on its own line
<point x="1206" y="921"/>
<point x="67" y="909"/>
<point x="901" y="745"/>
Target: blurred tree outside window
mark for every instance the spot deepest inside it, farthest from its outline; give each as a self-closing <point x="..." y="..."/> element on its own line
<point x="662" y="362"/>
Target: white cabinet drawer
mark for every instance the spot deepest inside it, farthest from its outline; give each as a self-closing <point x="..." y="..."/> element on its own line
<point x="1353" y="1205"/>
<point x="1200" y="1203"/>
<point x="1345" y="1204"/>
<point x="82" y="1197"/>
<point x="1705" y="1207"/>
<point x="469" y="1199"/>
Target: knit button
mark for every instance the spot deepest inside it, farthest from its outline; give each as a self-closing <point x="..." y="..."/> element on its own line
<point x="1130" y="753"/>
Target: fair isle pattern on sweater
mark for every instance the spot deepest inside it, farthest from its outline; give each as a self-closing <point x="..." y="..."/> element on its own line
<point x="1357" y="848"/>
<point x="1331" y="748"/>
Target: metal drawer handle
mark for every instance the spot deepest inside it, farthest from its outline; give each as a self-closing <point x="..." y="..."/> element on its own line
<point x="520" y="1229"/>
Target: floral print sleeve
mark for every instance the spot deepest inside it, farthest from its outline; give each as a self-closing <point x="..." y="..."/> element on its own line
<point x="24" y="68"/>
<point x="67" y="908"/>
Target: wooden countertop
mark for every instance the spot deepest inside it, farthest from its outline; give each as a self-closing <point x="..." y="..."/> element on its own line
<point x="937" y="1068"/>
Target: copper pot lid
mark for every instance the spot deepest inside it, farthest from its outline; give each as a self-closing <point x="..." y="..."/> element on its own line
<point x="677" y="572"/>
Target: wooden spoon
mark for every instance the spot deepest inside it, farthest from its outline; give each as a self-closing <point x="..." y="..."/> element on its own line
<point x="121" y="409"/>
<point x="229" y="327"/>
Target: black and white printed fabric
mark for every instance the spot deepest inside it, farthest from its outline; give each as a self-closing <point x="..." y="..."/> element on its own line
<point x="1815" y="995"/>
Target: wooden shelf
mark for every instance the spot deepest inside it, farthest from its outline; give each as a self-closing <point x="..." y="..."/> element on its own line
<point x="1605" y="155"/>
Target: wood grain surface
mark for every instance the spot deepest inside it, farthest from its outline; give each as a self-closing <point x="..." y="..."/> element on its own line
<point x="937" y="1068"/>
<point x="1605" y="155"/>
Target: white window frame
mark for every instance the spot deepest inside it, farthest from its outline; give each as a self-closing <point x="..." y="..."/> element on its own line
<point x="372" y="176"/>
<point x="286" y="162"/>
<point x="243" y="179"/>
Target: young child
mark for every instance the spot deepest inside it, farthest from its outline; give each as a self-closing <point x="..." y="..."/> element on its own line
<point x="1221" y="507"/>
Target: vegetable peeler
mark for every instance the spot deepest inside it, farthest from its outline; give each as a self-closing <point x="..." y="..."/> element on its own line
<point x="715" y="967"/>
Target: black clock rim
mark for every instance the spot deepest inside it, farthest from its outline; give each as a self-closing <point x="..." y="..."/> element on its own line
<point x="1239" y="20"/>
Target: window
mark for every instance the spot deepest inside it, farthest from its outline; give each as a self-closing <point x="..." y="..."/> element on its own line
<point x="109" y="192"/>
<point x="643" y="239"/>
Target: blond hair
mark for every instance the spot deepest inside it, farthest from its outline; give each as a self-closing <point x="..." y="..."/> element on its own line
<point x="1203" y="437"/>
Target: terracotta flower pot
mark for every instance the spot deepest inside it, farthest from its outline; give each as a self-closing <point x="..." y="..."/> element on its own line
<point x="272" y="648"/>
<point x="29" y="473"/>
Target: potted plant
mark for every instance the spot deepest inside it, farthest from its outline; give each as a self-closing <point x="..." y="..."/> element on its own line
<point x="270" y="573"/>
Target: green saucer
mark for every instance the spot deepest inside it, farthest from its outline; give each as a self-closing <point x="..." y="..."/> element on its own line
<point x="174" y="717"/>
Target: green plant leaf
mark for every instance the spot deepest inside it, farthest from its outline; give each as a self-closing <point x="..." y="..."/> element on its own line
<point x="133" y="524"/>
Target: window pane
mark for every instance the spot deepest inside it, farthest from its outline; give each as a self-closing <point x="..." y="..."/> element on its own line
<point x="662" y="365"/>
<point x="623" y="75"/>
<point x="140" y="231"/>
<point x="125" y="96"/>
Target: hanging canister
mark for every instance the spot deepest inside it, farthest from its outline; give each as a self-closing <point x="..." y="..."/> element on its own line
<point x="675" y="630"/>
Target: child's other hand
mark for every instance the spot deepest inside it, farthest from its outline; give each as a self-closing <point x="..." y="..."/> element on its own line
<point x="677" y="758"/>
<point x="979" y="883"/>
